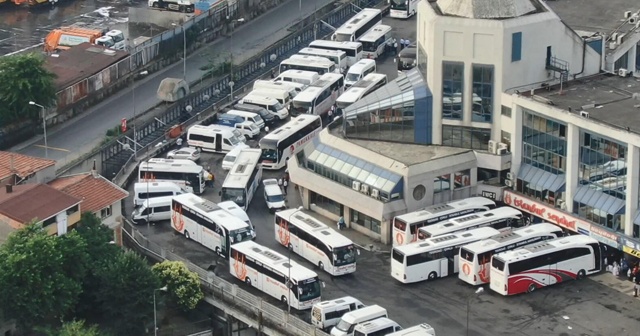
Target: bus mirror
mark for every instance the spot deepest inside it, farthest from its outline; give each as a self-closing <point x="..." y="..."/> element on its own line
<point x="358" y="251"/>
<point x="394" y="60"/>
<point x="324" y="285"/>
<point x="220" y="193"/>
<point x="289" y="284"/>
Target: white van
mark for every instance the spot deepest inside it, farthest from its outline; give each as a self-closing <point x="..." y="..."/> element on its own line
<point x="291" y="87"/>
<point x="357" y="71"/>
<point x="348" y="322"/>
<point x="326" y="314"/>
<point x="273" y="195"/>
<point x="214" y="138"/>
<point x="236" y="211"/>
<point x="248" y="116"/>
<point x="153" y="210"/>
<point x="248" y="129"/>
<point x="143" y="190"/>
<point x="419" y="330"/>
<point x="298" y="76"/>
<point x="269" y="103"/>
<point x="378" y="327"/>
<point x="230" y="158"/>
<point x="281" y="95"/>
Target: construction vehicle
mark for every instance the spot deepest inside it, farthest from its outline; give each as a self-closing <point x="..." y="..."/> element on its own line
<point x="66" y="37"/>
<point x="184" y="6"/>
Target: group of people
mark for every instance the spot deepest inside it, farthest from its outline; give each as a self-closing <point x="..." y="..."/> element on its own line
<point x="396" y="46"/>
<point x="623" y="268"/>
<point x="283" y="182"/>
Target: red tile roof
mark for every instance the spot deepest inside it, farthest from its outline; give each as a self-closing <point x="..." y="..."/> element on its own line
<point x="21" y="165"/>
<point x="96" y="193"/>
<point x="34" y="201"/>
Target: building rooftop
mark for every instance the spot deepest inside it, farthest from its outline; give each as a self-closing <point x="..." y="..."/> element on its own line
<point x="594" y="16"/>
<point x="34" y="201"/>
<point x="607" y="98"/>
<point x="21" y="165"/>
<point x="489" y="9"/>
<point x="96" y="192"/>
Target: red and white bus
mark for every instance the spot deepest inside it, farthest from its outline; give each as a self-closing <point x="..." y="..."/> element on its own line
<point x="475" y="258"/>
<point x="548" y="263"/>
<point x="405" y="227"/>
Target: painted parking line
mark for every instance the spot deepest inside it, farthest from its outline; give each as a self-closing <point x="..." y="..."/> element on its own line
<point x="54" y="148"/>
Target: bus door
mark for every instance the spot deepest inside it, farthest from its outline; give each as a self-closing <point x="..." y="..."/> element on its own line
<point x="444" y="267"/>
<point x="218" y="143"/>
<point x="552" y="267"/>
<point x="224" y="241"/>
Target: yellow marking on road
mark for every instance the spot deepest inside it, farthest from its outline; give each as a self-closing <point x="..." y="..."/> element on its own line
<point x="54" y="148"/>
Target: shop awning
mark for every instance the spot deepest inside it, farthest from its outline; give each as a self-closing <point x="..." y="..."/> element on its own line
<point x="598" y="200"/>
<point x="539" y="179"/>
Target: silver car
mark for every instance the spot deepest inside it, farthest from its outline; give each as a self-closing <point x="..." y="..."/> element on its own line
<point x="187" y="153"/>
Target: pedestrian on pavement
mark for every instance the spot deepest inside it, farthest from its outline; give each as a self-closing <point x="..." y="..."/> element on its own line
<point x="280" y="183"/>
<point x="401" y="43"/>
<point x="636" y="287"/>
<point x="209" y="181"/>
<point x="330" y="114"/>
<point x="285" y="184"/>
<point x="179" y="142"/>
<point x="286" y="175"/>
<point x="406" y="43"/>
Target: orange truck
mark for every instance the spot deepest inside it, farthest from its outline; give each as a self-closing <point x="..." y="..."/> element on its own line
<point x="66" y="37"/>
<point x="33" y="3"/>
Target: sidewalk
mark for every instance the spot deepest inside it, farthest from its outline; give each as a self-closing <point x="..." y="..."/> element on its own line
<point x="621" y="284"/>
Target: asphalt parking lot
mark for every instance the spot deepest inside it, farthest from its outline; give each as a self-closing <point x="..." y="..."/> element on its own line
<point x="576" y="308"/>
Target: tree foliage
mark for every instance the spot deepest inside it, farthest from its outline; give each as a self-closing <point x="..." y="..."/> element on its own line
<point x="77" y="328"/>
<point x="24" y="78"/>
<point x="183" y="285"/>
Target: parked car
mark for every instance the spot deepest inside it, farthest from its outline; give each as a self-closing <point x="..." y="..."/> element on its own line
<point x="273" y="195"/>
<point x="186" y="153"/>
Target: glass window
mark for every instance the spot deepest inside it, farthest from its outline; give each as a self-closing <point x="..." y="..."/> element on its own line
<point x="326" y="203"/>
<point x="441" y="183"/>
<point x="622" y="62"/>
<point x="366" y="221"/>
<point x="465" y="137"/>
<point x="603" y="164"/>
<point x="482" y="93"/>
<point x="612" y="221"/>
<point x="544" y="143"/>
<point x="462" y="179"/>
<point x="516" y="46"/>
<point x="452" y="90"/>
<point x="506" y="139"/>
<point x="506" y="111"/>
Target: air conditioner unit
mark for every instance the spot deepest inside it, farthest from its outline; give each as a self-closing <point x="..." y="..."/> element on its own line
<point x="364" y="189"/>
<point x="633" y="19"/>
<point x="614" y="37"/>
<point x="502" y="151"/>
<point x="622" y="72"/>
<point x="375" y="193"/>
<point x="627" y="14"/>
<point x="508" y="183"/>
<point x="612" y="45"/>
<point x="493" y="146"/>
<point x="355" y="185"/>
<point x="584" y="114"/>
<point x="621" y="38"/>
<point x="503" y="146"/>
<point x="510" y="176"/>
<point x="562" y="205"/>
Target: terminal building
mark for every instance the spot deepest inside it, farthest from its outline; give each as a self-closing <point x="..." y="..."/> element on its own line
<point x="543" y="107"/>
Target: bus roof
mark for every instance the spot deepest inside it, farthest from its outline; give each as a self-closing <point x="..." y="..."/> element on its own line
<point x="370" y="80"/>
<point x="336" y="44"/>
<point x="472" y="202"/>
<point x="358" y="21"/>
<point x="447" y="240"/>
<point x="361" y="64"/>
<point x="545" y="247"/>
<point x="308" y="94"/>
<point x="164" y="166"/>
<point x="324" y="62"/>
<point x="246" y="161"/>
<point x="375" y="33"/>
<point x="299" y="74"/>
<point x="508" y="236"/>
<point x="212" y="211"/>
<point x="319" y="51"/>
<point x="423" y="329"/>
<point x="351" y="96"/>
<point x="201" y="129"/>
<point x="469" y="220"/>
<point x="257" y="97"/>
<point x="315" y="227"/>
<point x="274" y="260"/>
<point x="291" y="127"/>
<point x="310" y="58"/>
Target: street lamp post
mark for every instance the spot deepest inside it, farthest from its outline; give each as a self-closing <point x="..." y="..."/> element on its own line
<point x="184" y="51"/>
<point x="44" y="127"/>
<point x="155" y="314"/>
<point x="479" y="291"/>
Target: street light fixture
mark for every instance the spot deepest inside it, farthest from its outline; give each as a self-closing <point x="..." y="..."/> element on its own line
<point x="155" y="315"/>
<point x="184" y="51"/>
<point x="44" y="127"/>
<point x="478" y="291"/>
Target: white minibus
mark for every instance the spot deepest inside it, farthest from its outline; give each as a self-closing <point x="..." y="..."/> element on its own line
<point x="298" y="76"/>
<point x="214" y="138"/>
<point x="326" y="314"/>
<point x="230" y="158"/>
<point x="358" y="71"/>
<point x="153" y="210"/>
<point x="271" y="104"/>
<point x="248" y="116"/>
<point x="281" y="95"/>
<point x="353" y="49"/>
<point x="423" y="329"/>
<point x="375" y="41"/>
<point x="249" y="129"/>
<point x="348" y="322"/>
<point x="146" y="190"/>
<point x="338" y="57"/>
<point x="308" y="63"/>
<point x="378" y="327"/>
<point x="292" y="88"/>
<point x="235" y="210"/>
<point x="358" y="25"/>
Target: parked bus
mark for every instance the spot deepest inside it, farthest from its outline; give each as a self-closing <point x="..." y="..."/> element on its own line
<point x="320" y="66"/>
<point x="358" y="25"/>
<point x="287" y="140"/>
<point x="338" y="57"/>
<point x="499" y="218"/>
<point x="275" y="275"/>
<point x="298" y="76"/>
<point x="185" y="173"/>
<point x="320" y="96"/>
<point x="353" y="49"/>
<point x="405" y="227"/>
<point x="361" y="89"/>
<point x="548" y="263"/>
<point x="403" y="9"/>
<point x="243" y="179"/>
<point x="435" y="257"/>
<point x="375" y="41"/>
<point x="475" y="258"/>
<point x="208" y="224"/>
<point x="319" y="244"/>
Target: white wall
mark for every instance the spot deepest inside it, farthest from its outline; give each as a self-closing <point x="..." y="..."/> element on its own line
<point x="116" y="213"/>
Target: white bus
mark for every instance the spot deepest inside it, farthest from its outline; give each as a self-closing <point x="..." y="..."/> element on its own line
<point x="475" y="258"/>
<point x="185" y="173"/>
<point x="403" y="9"/>
<point x="405" y="227"/>
<point x="358" y="25"/>
<point x="361" y="89"/>
<point x="275" y="275"/>
<point x="214" y="138"/>
<point x="338" y="57"/>
<point x="243" y="179"/>
<point x="287" y="140"/>
<point x="320" y="96"/>
<point x="375" y="41"/>
<point x="315" y="241"/>
<point x="498" y="218"/>
<point x="321" y="66"/>
<point x="434" y="257"/>
<point x="298" y="76"/>
<point x="548" y="263"/>
<point x="353" y="49"/>
<point x="208" y="224"/>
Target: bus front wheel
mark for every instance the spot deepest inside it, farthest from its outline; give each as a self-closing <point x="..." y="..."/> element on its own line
<point x="532" y="288"/>
<point x="433" y="275"/>
<point x="247" y="281"/>
<point x="321" y="266"/>
<point x="581" y="274"/>
<point x="186" y="234"/>
<point x="284" y="300"/>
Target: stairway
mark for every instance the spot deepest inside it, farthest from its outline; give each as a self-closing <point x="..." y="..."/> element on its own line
<point x="560" y="66"/>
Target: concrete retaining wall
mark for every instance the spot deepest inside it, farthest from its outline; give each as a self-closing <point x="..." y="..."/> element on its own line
<point x="159" y="18"/>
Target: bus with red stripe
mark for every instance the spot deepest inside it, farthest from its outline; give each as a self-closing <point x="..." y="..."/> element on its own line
<point x="535" y="266"/>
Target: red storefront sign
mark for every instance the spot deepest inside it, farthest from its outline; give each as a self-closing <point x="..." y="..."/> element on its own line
<point x="540" y="210"/>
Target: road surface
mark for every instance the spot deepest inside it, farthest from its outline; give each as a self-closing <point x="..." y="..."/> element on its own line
<point x="82" y="134"/>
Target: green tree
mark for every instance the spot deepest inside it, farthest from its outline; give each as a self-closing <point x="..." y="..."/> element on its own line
<point x="76" y="328"/>
<point x="40" y="276"/>
<point x="24" y="78"/>
<point x="183" y="285"/>
<point x="125" y="294"/>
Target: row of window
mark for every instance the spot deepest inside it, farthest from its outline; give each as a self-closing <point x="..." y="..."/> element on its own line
<point x="304" y="236"/>
<point x="548" y="259"/>
<point x="425" y="257"/>
<point x="259" y="267"/>
<point x="465" y="137"/>
<point x="197" y="218"/>
<point x="453" y="96"/>
<point x="366" y="221"/>
<point x="327" y="204"/>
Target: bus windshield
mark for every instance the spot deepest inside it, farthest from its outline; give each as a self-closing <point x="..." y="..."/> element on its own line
<point x="308" y="290"/>
<point x="399" y="4"/>
<point x="276" y="107"/>
<point x="303" y="107"/>
<point x="240" y="235"/>
<point x="343" y="37"/>
<point x="269" y="154"/>
<point x="275" y="198"/>
<point x="235" y="195"/>
<point x="353" y="77"/>
<point x="344" y="255"/>
<point x="370" y="46"/>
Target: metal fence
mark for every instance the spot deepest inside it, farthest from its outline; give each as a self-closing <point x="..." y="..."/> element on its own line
<point x="218" y="289"/>
<point x="115" y="154"/>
